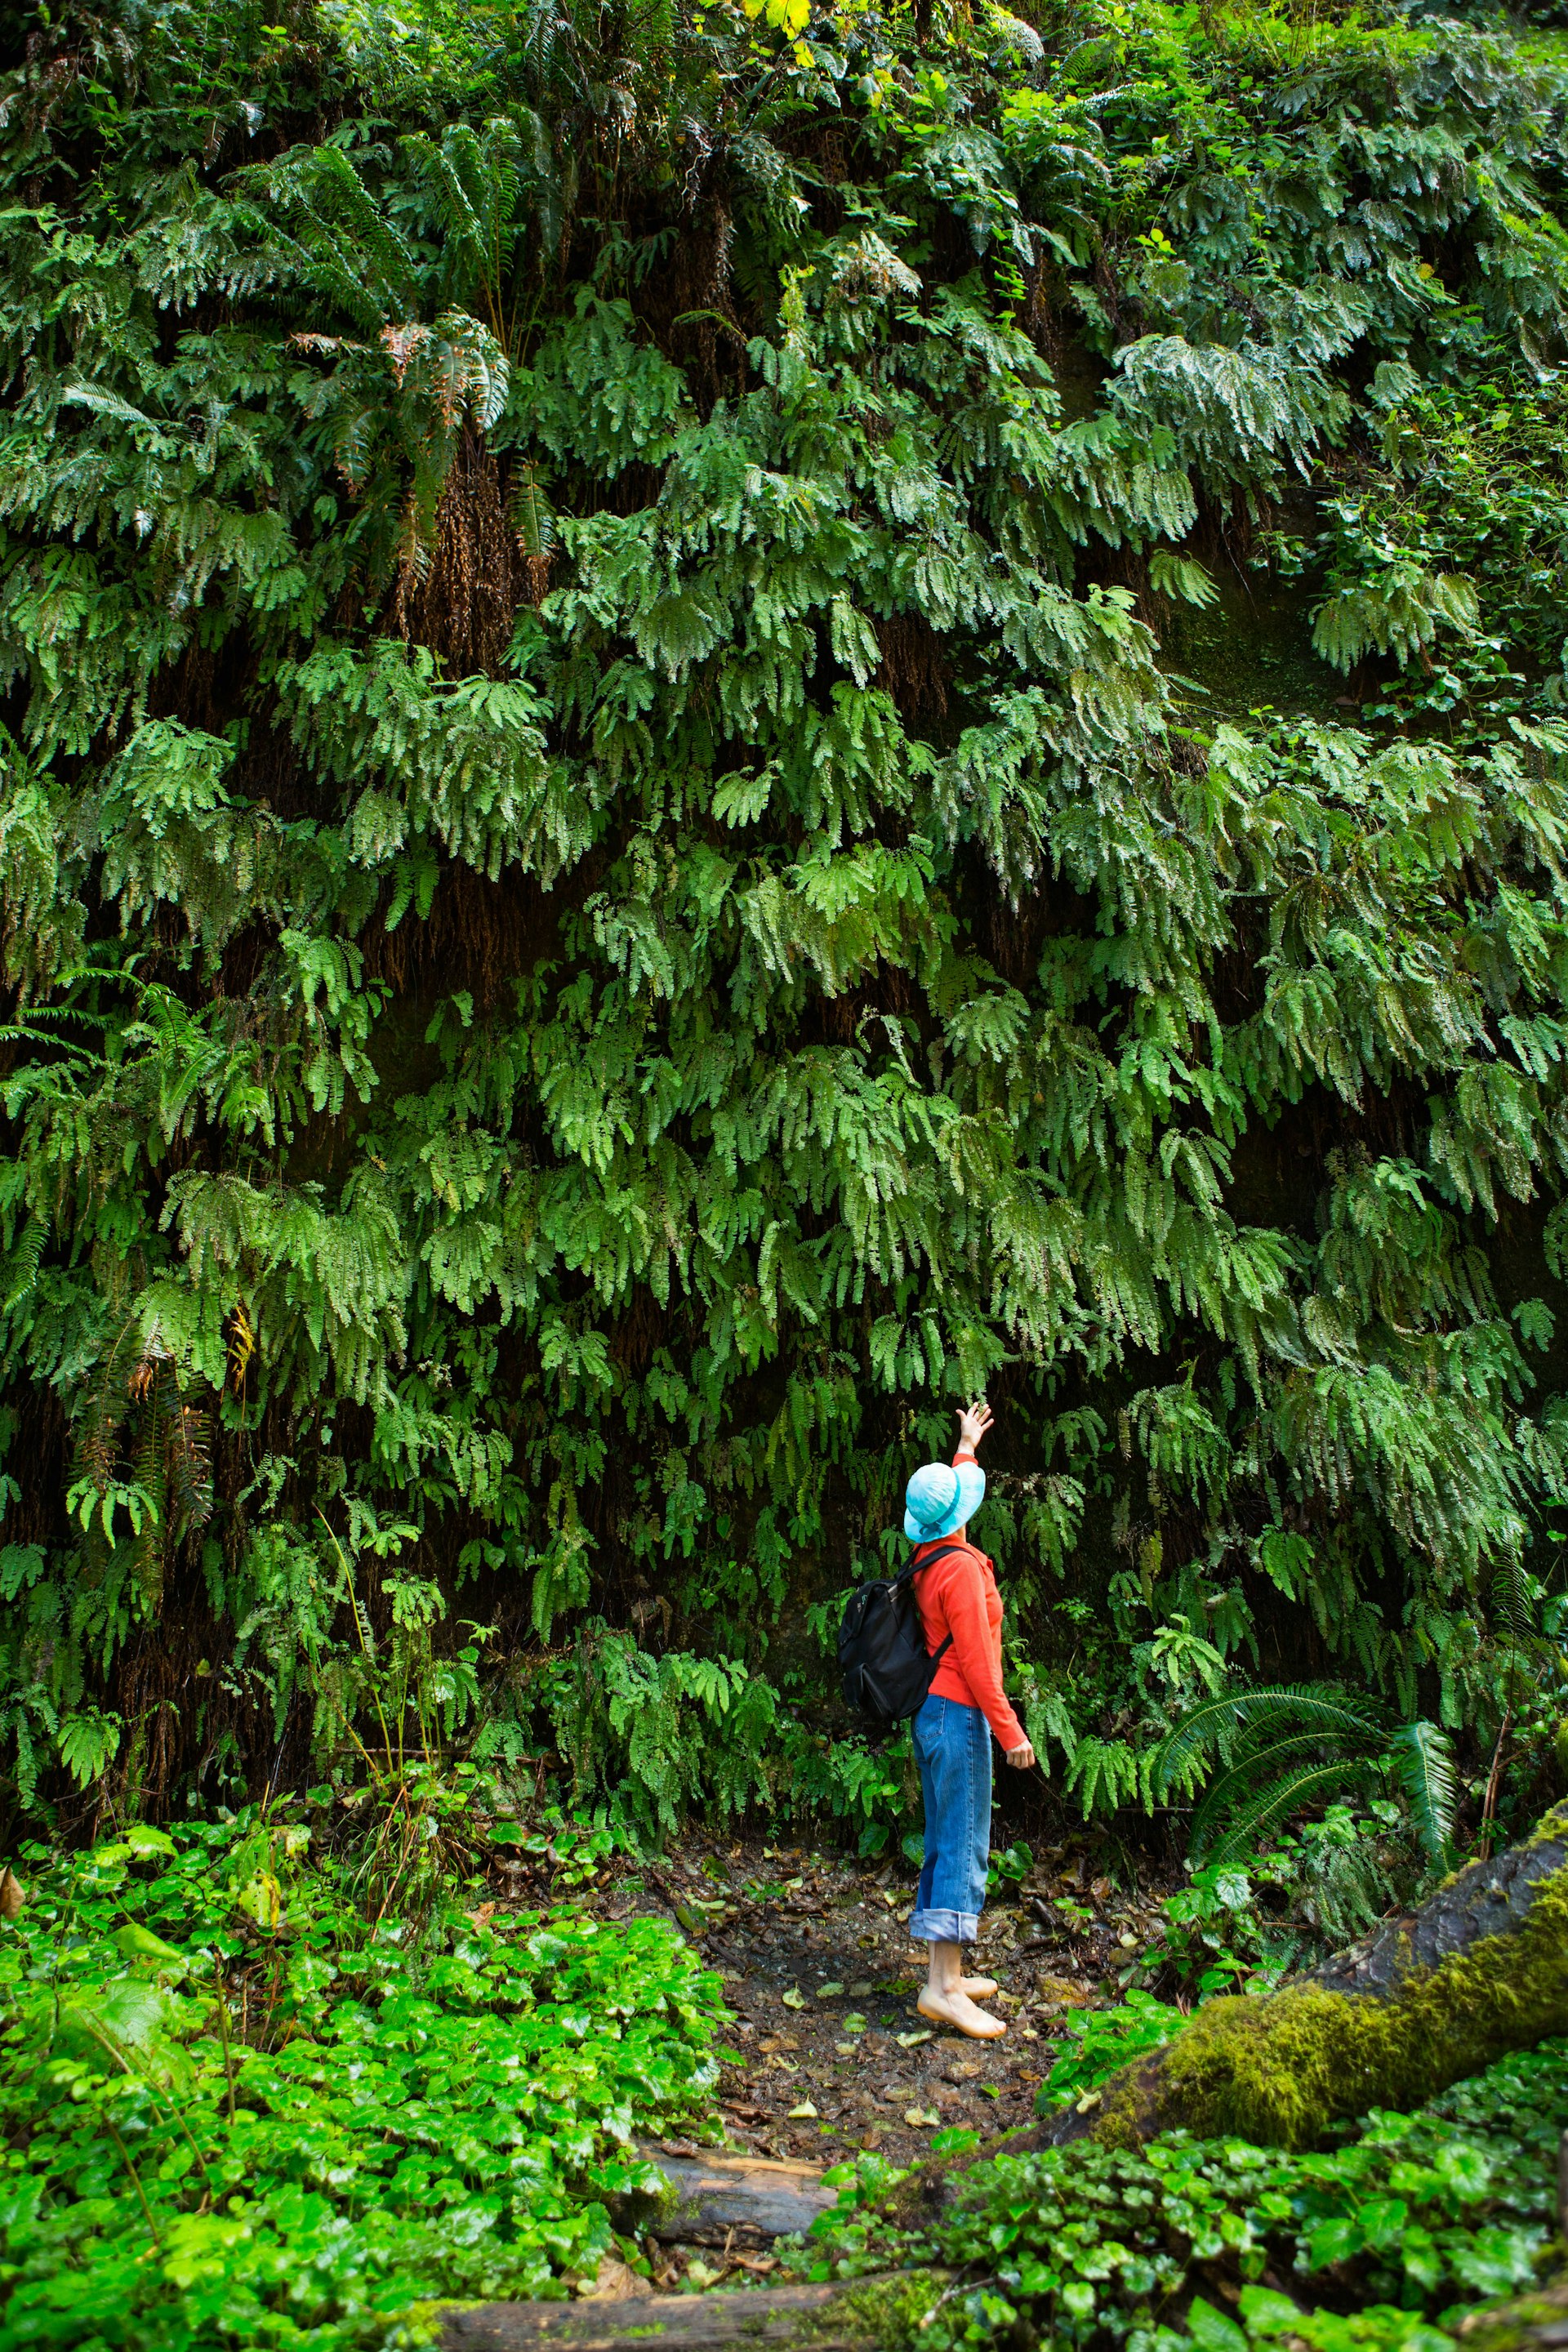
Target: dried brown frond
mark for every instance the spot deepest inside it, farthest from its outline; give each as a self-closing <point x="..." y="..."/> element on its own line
<point x="241" y="1345"/>
<point x="459" y="598"/>
<point x="190" y="1471"/>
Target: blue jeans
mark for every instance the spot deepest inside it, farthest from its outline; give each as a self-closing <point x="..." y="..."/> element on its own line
<point x="953" y="1747"/>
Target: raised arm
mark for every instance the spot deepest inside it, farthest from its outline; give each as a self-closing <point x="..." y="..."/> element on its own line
<point x="972" y="1646"/>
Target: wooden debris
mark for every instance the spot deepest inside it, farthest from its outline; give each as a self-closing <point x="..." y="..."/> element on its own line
<point x="737" y="2200"/>
<point x="614" y="2281"/>
<point x="764" y="2320"/>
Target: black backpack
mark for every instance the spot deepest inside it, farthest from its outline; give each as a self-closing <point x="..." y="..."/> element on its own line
<point x="888" y="1671"/>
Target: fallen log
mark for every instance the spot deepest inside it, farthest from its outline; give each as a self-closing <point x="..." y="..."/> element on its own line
<point x="1480" y="1970"/>
<point x="861" y="2315"/>
<point x="735" y="2200"/>
<point x="1537" y="2321"/>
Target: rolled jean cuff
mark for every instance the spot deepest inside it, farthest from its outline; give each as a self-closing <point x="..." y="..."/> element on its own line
<point x="944" y="1927"/>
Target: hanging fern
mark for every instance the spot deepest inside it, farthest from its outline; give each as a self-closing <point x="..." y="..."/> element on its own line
<point x="654" y="821"/>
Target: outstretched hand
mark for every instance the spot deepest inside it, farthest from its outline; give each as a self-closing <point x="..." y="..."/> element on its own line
<point x="973" y="1422"/>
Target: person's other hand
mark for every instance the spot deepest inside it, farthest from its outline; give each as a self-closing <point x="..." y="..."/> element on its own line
<point x="973" y="1422"/>
<point x="1019" y="1757"/>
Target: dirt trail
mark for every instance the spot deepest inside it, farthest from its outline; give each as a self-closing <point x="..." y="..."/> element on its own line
<point x="827" y="2053"/>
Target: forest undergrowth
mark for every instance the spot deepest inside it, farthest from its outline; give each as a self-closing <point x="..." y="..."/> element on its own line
<point x="246" y="2101"/>
<point x="1394" y="2237"/>
<point x="239" y="2112"/>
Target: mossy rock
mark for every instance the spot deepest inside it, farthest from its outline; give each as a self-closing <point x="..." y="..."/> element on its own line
<point x="1483" y="1969"/>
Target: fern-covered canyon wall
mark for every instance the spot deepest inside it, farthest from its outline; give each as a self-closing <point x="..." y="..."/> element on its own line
<point x="720" y="725"/>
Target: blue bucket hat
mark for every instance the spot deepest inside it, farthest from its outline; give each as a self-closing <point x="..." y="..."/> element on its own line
<point x="938" y="1500"/>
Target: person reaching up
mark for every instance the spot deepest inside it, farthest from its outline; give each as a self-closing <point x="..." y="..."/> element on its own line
<point x="965" y="1706"/>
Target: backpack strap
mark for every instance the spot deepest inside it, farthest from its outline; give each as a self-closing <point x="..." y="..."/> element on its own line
<point x="914" y="1568"/>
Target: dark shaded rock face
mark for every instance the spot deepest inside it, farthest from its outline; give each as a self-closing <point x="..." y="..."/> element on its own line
<point x="1488" y="1898"/>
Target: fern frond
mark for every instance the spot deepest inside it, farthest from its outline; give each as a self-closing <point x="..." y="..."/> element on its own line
<point x="1309" y="1705"/>
<point x="1512" y="1610"/>
<point x="1183" y="578"/>
<point x="107" y="1402"/>
<point x="1421" y="1758"/>
<point x="189" y="1470"/>
<point x="1275" y="1804"/>
<point x="152" y="1382"/>
<point x="1254" y="1767"/>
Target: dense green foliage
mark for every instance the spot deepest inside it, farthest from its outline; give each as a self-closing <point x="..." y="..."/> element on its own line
<point x="1402" y="2226"/>
<point x="1283" y="1748"/>
<point x="635" y="853"/>
<point x="232" y="2113"/>
<point x="1231" y="1927"/>
<point x="1099" y="2041"/>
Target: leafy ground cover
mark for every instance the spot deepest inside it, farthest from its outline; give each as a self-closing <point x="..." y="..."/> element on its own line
<point x="446" y="2109"/>
<point x="235" y="2113"/>
<point x="1384" y="2238"/>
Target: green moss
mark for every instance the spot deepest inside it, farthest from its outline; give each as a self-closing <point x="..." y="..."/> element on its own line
<point x="1279" y="2072"/>
<point x="881" y="2312"/>
<point x="636" y="2210"/>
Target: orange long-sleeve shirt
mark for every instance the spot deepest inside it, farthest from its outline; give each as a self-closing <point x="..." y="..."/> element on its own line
<point x="959" y="1596"/>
